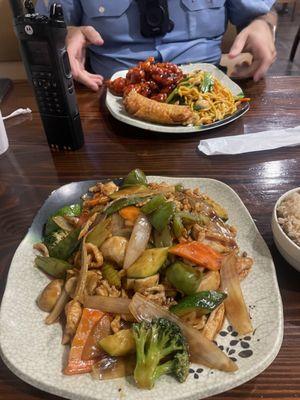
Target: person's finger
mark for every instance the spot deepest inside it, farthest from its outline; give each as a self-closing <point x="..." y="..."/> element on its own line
<point x="86" y="80"/>
<point x="75" y="68"/>
<point x="261" y="71"/>
<point x="83" y="76"/>
<point x="92" y="36"/>
<point x="96" y="77"/>
<point x="246" y="71"/>
<point x="243" y="64"/>
<point x="238" y="44"/>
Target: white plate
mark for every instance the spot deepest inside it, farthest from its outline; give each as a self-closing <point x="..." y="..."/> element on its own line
<point x="33" y="350"/>
<point x="116" y="108"/>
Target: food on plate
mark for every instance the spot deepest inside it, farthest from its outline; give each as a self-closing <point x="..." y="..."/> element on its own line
<point x="150" y="79"/>
<point x="209" y="99"/>
<point x="143" y="275"/>
<point x="200" y="97"/>
<point x="154" y="111"/>
<point x="161" y="349"/>
<point x="288" y="214"/>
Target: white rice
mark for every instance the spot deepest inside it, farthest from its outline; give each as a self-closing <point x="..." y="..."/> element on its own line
<point x="288" y="214"/>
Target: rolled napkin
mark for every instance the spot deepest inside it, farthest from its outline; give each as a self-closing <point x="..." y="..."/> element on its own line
<point x="19" y="111"/>
<point x="3" y="136"/>
<point x="260" y="141"/>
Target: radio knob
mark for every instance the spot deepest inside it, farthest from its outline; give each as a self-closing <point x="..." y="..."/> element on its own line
<point x="66" y="65"/>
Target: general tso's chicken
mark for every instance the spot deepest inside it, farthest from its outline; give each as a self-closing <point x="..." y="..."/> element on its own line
<point x="154" y="111"/>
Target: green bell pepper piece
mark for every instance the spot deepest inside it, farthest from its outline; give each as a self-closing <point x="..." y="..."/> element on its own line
<point x="52" y="266"/>
<point x="163" y="238"/>
<point x="178" y="226"/>
<point x="99" y="233"/>
<point x="162" y="215"/>
<point x="72" y="210"/>
<point x="65" y="247"/>
<point x="179" y="187"/>
<point x="202" y="302"/>
<point x="184" y="277"/>
<point x="135" y="177"/>
<point x="153" y="204"/>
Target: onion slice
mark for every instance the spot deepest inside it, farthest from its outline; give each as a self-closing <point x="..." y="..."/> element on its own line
<point x="58" y="308"/>
<point x="113" y="367"/>
<point x="115" y="305"/>
<point x="236" y="309"/>
<point x="138" y="240"/>
<point x="63" y="223"/>
<point x="202" y="350"/>
<point x="79" y="292"/>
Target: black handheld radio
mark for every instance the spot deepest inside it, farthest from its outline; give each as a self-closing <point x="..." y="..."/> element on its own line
<point x="42" y="41"/>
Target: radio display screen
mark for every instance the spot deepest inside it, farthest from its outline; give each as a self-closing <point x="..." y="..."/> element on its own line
<point x="38" y="52"/>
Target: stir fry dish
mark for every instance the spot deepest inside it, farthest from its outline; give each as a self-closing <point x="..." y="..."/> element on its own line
<point x="162" y="93"/>
<point x="143" y="275"/>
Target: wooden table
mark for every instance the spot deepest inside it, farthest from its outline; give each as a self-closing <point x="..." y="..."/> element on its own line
<point x="29" y="172"/>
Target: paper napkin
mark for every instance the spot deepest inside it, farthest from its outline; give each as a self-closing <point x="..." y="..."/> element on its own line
<point x="265" y="140"/>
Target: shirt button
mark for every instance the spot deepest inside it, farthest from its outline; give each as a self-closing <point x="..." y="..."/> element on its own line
<point x="101" y="9"/>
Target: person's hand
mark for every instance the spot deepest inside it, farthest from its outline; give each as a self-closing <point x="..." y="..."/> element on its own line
<point x="78" y="38"/>
<point x="258" y="40"/>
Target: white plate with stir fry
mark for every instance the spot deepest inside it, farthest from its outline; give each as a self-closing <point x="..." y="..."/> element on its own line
<point x="163" y="287"/>
<point x="217" y="102"/>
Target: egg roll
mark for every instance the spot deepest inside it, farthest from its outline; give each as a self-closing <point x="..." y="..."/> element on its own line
<point x="153" y="111"/>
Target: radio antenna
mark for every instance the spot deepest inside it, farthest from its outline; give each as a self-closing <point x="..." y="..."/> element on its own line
<point x="29" y="6"/>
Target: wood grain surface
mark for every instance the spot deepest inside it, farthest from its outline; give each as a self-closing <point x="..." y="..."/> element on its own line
<point x="29" y="171"/>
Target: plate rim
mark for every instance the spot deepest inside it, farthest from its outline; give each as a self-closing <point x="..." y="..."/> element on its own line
<point x="173" y="129"/>
<point x="239" y="380"/>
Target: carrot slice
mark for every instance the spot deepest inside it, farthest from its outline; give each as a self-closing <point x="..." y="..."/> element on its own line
<point x="244" y="99"/>
<point x="76" y="365"/>
<point x="199" y="253"/>
<point x="130" y="213"/>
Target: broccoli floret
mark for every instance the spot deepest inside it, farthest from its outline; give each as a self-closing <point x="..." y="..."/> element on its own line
<point x="160" y="349"/>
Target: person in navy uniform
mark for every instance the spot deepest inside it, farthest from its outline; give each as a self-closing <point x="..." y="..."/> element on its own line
<point x="109" y="30"/>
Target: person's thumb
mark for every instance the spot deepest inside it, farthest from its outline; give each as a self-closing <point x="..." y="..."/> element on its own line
<point x="238" y="45"/>
<point x="91" y="35"/>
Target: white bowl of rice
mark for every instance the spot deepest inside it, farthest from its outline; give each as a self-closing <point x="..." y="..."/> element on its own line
<point x="286" y="226"/>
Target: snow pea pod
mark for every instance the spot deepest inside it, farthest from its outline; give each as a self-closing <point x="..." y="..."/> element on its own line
<point x="121" y="203"/>
<point x="65" y="247"/>
<point x="202" y="302"/>
<point x="99" y="233"/>
<point x="207" y="83"/>
<point x="52" y="266"/>
<point x="192" y="217"/>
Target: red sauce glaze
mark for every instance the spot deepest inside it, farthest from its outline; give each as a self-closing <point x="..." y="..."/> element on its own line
<point x="150" y="79"/>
